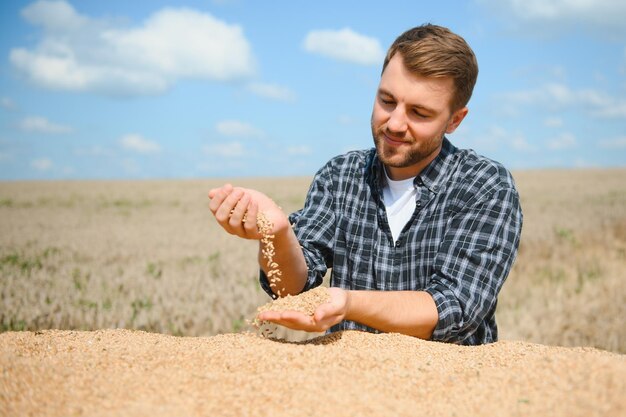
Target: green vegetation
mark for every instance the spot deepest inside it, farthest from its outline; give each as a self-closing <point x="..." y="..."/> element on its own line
<point x="154" y="269"/>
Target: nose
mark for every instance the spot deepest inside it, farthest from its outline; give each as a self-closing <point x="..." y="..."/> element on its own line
<point x="397" y="120"/>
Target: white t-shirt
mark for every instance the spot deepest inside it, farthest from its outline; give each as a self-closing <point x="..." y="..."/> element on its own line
<point x="399" y="197"/>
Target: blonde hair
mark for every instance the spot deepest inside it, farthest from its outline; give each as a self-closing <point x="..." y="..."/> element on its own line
<point x="434" y="51"/>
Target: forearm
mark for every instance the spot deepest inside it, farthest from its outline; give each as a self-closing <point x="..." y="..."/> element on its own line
<point x="286" y="252"/>
<point x="412" y="313"/>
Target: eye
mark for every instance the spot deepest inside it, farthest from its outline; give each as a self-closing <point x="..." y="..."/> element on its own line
<point x="420" y="114"/>
<point x="386" y="100"/>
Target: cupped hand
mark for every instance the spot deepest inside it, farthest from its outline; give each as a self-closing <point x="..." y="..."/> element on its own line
<point x="325" y="316"/>
<point x="236" y="210"/>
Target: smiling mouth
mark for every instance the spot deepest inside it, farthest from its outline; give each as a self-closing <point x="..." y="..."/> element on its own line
<point x="393" y="141"/>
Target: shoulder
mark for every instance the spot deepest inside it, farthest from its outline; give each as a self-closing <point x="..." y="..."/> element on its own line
<point x="473" y="179"/>
<point x="349" y="164"/>
<point x="476" y="172"/>
<point x="356" y="158"/>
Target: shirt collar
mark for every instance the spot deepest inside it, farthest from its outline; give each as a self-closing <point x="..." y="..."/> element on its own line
<point x="433" y="176"/>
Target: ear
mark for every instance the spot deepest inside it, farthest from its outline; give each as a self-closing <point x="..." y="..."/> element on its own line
<point x="456" y="119"/>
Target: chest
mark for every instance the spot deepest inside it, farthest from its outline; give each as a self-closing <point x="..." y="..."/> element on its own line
<point x="369" y="254"/>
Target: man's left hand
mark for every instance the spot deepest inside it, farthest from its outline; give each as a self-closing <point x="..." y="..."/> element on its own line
<point x="325" y="316"/>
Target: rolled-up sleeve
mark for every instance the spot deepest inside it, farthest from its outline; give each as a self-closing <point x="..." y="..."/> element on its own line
<point x="475" y="256"/>
<point x="314" y="226"/>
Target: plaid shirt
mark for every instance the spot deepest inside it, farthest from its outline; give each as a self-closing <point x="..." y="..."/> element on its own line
<point x="458" y="246"/>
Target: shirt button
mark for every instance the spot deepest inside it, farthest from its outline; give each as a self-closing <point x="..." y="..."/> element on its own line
<point x="398" y="244"/>
<point x="418" y="204"/>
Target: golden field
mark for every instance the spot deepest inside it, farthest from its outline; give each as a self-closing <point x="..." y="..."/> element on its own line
<point x="148" y="255"/>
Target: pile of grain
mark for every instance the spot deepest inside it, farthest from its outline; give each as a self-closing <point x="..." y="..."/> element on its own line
<point x="132" y="373"/>
<point x="306" y="302"/>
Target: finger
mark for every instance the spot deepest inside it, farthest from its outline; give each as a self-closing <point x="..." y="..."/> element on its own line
<point x="250" y="223"/>
<point x="324" y="311"/>
<point x="328" y="314"/>
<point x="298" y="325"/>
<point x="323" y="321"/>
<point x="212" y="192"/>
<point x="291" y="319"/>
<point x="296" y="317"/>
<point x="217" y="196"/>
<point x="269" y="316"/>
<point x="238" y="212"/>
<point x="228" y="204"/>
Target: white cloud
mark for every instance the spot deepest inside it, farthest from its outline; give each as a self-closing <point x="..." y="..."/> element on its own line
<point x="80" y="53"/>
<point x="557" y="96"/>
<point x="604" y="16"/>
<point x="7" y="104"/>
<point x="272" y="91"/>
<point x="299" y="150"/>
<point x="130" y="166"/>
<point x="583" y="163"/>
<point x="548" y="93"/>
<point x="612" y="110"/>
<point x="36" y="124"/>
<point x="559" y="9"/>
<point x="553" y="122"/>
<point x="227" y="150"/>
<point x="137" y="143"/>
<point x="519" y="142"/>
<point x="238" y="128"/>
<point x="496" y="137"/>
<point x="491" y="139"/>
<point x="616" y="143"/>
<point x="563" y="141"/>
<point x="345" y="45"/>
<point x="68" y="170"/>
<point x="344" y="119"/>
<point x="95" y="150"/>
<point x="41" y="164"/>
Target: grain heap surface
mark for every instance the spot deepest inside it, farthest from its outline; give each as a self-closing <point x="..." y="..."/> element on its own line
<point x="132" y="373"/>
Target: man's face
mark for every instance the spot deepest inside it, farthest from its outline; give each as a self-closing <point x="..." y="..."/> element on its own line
<point x="410" y="116"/>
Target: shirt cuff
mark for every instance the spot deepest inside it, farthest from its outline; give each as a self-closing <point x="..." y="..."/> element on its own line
<point x="450" y="314"/>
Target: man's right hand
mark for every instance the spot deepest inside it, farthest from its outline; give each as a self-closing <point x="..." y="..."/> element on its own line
<point x="236" y="209"/>
<point x="231" y="204"/>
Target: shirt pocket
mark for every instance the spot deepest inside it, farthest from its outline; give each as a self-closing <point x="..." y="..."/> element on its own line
<point x="355" y="245"/>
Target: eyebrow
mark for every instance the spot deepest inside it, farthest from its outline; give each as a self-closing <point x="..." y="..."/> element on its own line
<point x="415" y="106"/>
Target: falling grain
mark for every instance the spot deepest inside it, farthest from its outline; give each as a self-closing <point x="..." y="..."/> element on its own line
<point x="267" y="240"/>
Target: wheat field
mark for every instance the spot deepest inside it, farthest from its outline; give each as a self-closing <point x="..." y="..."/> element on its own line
<point x="148" y="255"/>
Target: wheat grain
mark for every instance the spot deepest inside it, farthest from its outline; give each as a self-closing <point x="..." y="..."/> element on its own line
<point x="274" y="273"/>
<point x="306" y="302"/>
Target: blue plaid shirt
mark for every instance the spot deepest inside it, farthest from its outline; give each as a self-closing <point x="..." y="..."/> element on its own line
<point x="458" y="246"/>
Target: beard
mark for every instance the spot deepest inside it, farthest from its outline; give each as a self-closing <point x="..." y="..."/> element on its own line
<point x="409" y="154"/>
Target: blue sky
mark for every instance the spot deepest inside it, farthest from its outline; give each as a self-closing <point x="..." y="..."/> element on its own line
<point x="96" y="89"/>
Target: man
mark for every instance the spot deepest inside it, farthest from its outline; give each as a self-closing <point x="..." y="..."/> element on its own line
<point x="420" y="235"/>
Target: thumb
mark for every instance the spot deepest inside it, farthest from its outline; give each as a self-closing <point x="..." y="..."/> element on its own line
<point x="324" y="311"/>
